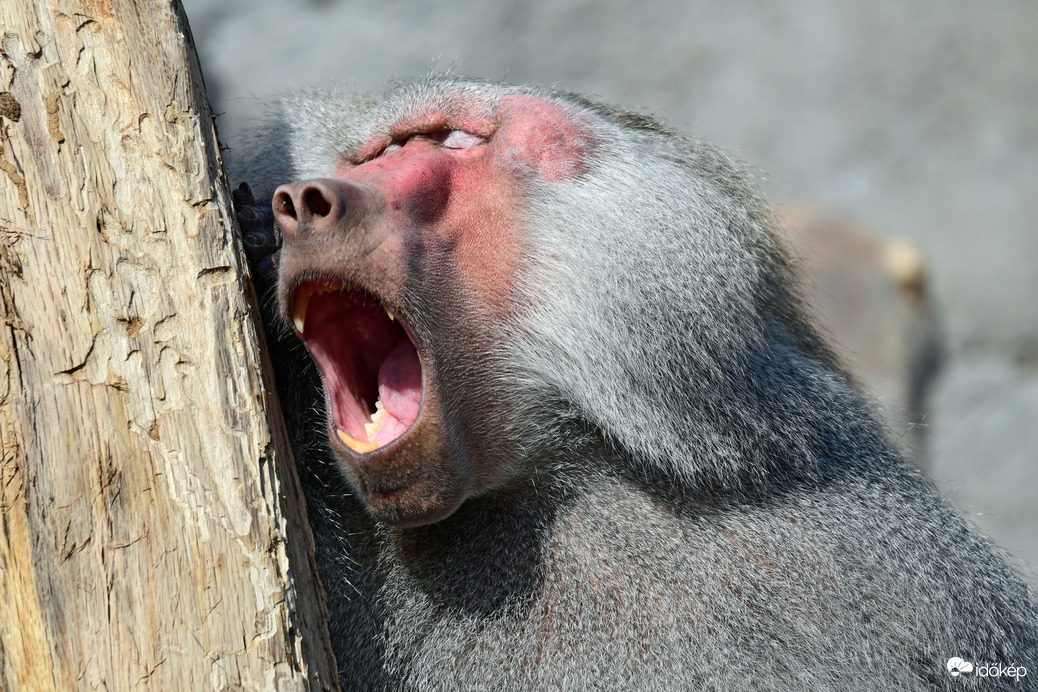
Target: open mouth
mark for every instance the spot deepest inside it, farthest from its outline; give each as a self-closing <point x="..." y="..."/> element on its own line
<point x="370" y="367"/>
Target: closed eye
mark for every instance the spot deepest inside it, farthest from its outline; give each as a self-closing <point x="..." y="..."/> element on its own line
<point x="459" y="139"/>
<point x="448" y="139"/>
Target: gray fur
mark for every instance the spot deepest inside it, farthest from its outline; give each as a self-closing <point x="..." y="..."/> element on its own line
<point x="708" y="503"/>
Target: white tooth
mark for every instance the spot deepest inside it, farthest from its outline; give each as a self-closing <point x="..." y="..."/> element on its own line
<point x="376" y="420"/>
<point x="302" y="300"/>
<point x="379" y="414"/>
<point x="371" y="429"/>
<point x="391" y="316"/>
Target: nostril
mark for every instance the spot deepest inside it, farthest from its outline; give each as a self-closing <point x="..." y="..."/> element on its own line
<point x="283" y="205"/>
<point x="318" y="205"/>
<point x="315" y="201"/>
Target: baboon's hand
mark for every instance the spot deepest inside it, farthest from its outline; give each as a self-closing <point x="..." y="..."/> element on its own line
<point x="259" y="236"/>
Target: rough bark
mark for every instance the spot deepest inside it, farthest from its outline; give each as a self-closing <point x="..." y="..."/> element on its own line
<point x="152" y="532"/>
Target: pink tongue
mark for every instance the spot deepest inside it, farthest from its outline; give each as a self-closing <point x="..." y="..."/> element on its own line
<point x="400" y="389"/>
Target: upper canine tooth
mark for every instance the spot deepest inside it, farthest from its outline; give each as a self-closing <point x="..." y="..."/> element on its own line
<point x="301" y="301"/>
<point x="391" y="315"/>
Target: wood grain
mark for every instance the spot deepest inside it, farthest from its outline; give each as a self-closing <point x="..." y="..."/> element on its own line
<point x="152" y="532"/>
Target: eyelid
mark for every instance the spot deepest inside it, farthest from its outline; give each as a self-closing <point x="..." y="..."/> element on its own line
<point x="449" y="139"/>
<point x="459" y="139"/>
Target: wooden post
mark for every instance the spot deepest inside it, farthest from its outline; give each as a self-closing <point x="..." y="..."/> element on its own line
<point x="152" y="531"/>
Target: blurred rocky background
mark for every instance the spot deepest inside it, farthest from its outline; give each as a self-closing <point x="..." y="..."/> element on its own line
<point x="917" y="121"/>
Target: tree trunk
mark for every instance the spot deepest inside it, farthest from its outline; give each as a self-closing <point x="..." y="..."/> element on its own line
<point x="153" y="531"/>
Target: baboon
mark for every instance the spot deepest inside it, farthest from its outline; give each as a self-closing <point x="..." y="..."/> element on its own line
<point x="568" y="428"/>
<point x="872" y="302"/>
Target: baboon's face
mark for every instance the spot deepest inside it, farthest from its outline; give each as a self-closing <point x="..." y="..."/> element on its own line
<point x="392" y="269"/>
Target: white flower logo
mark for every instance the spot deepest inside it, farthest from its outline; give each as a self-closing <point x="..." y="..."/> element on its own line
<point x="956" y="665"/>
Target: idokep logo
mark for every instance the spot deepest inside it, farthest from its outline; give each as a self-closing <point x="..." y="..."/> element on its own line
<point x="957" y="666"/>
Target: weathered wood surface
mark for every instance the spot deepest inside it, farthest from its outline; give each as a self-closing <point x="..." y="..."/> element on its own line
<point x="145" y="500"/>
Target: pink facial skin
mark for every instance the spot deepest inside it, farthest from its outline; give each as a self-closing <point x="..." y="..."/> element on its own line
<point x="468" y="198"/>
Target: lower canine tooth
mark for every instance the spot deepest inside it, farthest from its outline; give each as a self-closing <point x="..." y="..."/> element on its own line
<point x="356" y="445"/>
